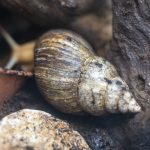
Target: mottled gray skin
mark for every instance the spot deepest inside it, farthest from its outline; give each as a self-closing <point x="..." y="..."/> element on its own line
<point x="37" y="130"/>
<point x="74" y="80"/>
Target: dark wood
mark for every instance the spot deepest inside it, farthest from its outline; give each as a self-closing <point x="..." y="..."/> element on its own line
<point x="131" y="27"/>
<point x="131" y="55"/>
<point x="51" y="12"/>
<point x="78" y="7"/>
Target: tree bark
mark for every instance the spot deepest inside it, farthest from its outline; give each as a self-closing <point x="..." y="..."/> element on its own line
<point x="131" y="55"/>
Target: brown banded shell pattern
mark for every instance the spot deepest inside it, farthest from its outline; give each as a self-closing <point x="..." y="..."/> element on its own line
<point x="74" y="80"/>
<point x="59" y="59"/>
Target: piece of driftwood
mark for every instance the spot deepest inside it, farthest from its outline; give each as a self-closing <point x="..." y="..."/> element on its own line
<point x="131" y="55"/>
<point x="51" y="12"/>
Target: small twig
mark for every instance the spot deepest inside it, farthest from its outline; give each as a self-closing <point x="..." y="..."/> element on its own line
<point x="16" y="73"/>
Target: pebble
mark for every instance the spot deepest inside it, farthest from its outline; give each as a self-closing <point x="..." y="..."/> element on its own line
<point x="30" y="129"/>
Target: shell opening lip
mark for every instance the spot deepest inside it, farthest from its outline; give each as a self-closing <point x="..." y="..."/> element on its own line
<point x="19" y="73"/>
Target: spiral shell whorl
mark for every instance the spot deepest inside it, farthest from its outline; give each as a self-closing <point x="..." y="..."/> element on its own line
<point x="119" y="98"/>
<point x="59" y="56"/>
<point x="93" y="85"/>
<point x="74" y="80"/>
<point x="101" y="90"/>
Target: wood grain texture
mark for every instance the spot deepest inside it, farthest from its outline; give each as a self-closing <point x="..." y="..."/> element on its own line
<point x="131" y="55"/>
<point x="132" y="33"/>
<point x="45" y="9"/>
<point x="51" y="12"/>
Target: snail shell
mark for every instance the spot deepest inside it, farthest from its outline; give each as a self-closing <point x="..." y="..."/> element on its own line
<point x="74" y="80"/>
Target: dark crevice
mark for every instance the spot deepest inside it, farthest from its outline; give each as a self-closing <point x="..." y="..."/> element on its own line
<point x="140" y="83"/>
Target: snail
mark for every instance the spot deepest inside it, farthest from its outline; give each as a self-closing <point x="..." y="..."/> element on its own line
<point x="74" y="80"/>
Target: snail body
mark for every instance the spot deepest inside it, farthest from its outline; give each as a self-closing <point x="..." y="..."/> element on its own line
<point x="74" y="80"/>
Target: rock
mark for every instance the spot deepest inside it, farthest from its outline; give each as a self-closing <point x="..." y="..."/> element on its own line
<point x="37" y="130"/>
